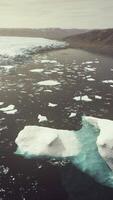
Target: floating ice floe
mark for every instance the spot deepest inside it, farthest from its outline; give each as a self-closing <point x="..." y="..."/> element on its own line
<point x="87" y="62"/>
<point x="4" y="170"/>
<point x="91" y="79"/>
<point x="9" y="109"/>
<point x="42" y="118"/>
<point x="90" y="148"/>
<point x="49" y="83"/>
<point x="107" y="81"/>
<point x="37" y="70"/>
<point x="52" y="104"/>
<point x="72" y="115"/>
<point x="7" y="68"/>
<point x="98" y="97"/>
<point x="82" y="98"/>
<point x="1" y="103"/>
<point x="13" y="46"/>
<point x="48" y="61"/>
<point x="42" y="141"/>
<point x="49" y="91"/>
<point x="105" y="138"/>
<point x="90" y="69"/>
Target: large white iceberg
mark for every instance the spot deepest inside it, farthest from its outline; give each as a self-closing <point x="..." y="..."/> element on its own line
<point x="105" y="138"/>
<point x="42" y="141"/>
<point x="90" y="149"/>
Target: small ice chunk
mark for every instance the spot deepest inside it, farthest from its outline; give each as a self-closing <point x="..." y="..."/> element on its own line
<point x="90" y="69"/>
<point x="9" y="109"/>
<point x="107" y="81"/>
<point x="37" y="70"/>
<point x="72" y="115"/>
<point x="91" y="79"/>
<point x="49" y="83"/>
<point x="82" y="98"/>
<point x="48" y="91"/>
<point x="98" y="97"/>
<point x="1" y="103"/>
<point x="48" y="61"/>
<point x="42" y="118"/>
<point x="52" y="105"/>
<point x="7" y="67"/>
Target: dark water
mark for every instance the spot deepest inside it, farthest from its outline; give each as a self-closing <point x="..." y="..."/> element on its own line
<point x="51" y="179"/>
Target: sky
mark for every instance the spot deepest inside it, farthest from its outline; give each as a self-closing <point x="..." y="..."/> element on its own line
<point x="56" y="13"/>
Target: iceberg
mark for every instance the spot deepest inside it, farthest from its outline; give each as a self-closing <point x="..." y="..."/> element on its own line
<point x="35" y="141"/>
<point x="93" y="159"/>
<point x="90" y="149"/>
<point x="105" y="138"/>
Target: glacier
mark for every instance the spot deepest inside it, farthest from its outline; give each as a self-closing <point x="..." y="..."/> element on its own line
<point x="13" y="46"/>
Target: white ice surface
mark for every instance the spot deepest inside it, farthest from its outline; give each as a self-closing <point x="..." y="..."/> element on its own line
<point x="48" y="61"/>
<point x="49" y="83"/>
<point x="42" y="141"/>
<point x="9" y="109"/>
<point x="52" y="104"/>
<point x="42" y="118"/>
<point x="98" y="97"/>
<point x="37" y="70"/>
<point x="72" y="115"/>
<point x="107" y="81"/>
<point x="7" y="67"/>
<point x="83" y="98"/>
<point x="12" y="46"/>
<point x="105" y="138"/>
<point x="90" y="148"/>
<point x="1" y="103"/>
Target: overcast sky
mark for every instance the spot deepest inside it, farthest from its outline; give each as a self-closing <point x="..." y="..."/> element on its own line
<point x="56" y="13"/>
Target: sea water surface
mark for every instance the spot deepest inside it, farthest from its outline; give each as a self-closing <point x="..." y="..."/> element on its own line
<point x="27" y="89"/>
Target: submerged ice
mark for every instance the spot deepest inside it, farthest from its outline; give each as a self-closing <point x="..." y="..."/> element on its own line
<point x="90" y="148"/>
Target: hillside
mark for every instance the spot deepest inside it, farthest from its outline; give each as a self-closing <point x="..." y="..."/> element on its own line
<point x="99" y="41"/>
<point x="50" y="33"/>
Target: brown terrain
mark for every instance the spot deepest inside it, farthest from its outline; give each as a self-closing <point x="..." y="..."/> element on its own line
<point x="50" y="33"/>
<point x="98" y="41"/>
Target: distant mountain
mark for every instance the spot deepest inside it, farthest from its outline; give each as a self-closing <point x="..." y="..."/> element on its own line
<point x="50" y="33"/>
<point x="100" y="41"/>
